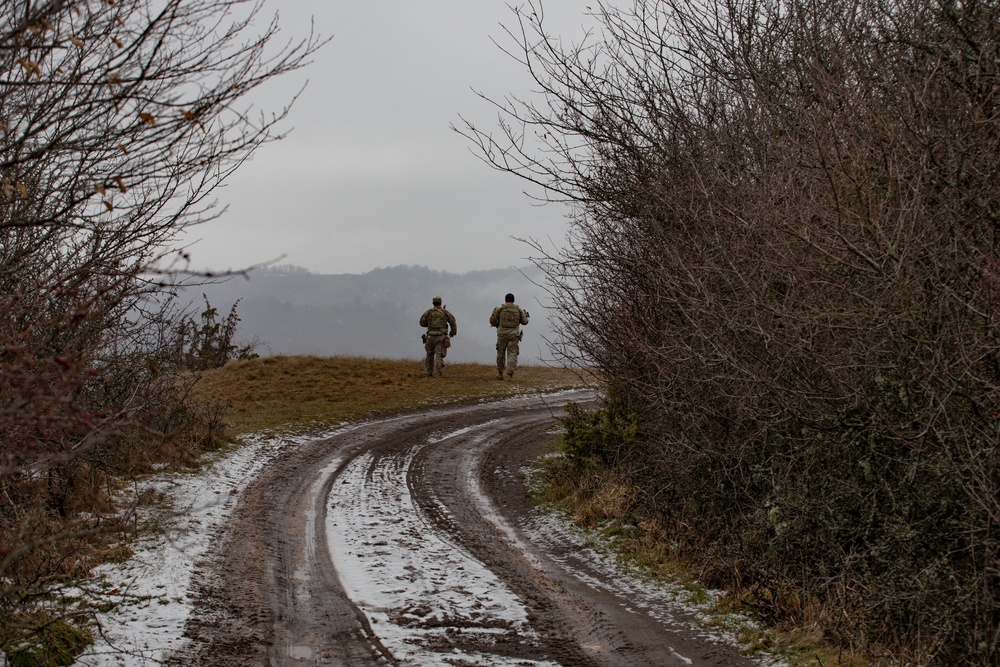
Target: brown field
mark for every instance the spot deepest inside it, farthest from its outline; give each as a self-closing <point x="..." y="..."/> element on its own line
<point x="298" y="393"/>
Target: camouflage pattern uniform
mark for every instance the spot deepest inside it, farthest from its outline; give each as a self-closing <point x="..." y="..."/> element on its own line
<point x="508" y="319"/>
<point x="437" y="339"/>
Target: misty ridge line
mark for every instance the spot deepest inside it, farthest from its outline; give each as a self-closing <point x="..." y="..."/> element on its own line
<point x="293" y="311"/>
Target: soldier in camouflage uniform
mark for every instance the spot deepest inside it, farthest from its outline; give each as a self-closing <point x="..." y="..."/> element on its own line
<point x="508" y="319"/>
<point x="437" y="340"/>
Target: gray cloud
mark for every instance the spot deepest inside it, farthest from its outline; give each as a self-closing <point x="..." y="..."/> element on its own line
<point x="371" y="175"/>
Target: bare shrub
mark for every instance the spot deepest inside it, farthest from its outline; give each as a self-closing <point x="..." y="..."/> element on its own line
<point x="117" y="121"/>
<point x="784" y="257"/>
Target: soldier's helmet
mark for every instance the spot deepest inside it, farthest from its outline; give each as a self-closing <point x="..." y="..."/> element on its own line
<point x="436" y="301"/>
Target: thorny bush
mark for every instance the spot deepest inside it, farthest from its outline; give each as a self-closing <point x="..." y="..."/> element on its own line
<point x="117" y="122"/>
<point x="784" y="257"/>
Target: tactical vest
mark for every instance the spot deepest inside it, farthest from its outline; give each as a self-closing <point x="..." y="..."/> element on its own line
<point x="510" y="316"/>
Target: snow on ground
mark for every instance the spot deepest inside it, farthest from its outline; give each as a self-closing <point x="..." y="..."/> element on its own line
<point x="154" y="585"/>
<point x="399" y="571"/>
<point x="654" y="599"/>
<point x="417" y="588"/>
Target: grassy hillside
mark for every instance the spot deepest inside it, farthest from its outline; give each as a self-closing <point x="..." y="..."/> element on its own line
<point x="298" y="393"/>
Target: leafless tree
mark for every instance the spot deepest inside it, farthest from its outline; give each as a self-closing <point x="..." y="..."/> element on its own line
<point x="118" y="119"/>
<point x="783" y="257"/>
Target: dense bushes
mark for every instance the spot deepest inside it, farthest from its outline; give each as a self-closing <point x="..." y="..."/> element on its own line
<point x="117" y="121"/>
<point x="89" y="403"/>
<point x="607" y="437"/>
<point x="784" y="256"/>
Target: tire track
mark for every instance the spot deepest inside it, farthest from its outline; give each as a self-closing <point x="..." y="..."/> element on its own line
<point x="407" y="540"/>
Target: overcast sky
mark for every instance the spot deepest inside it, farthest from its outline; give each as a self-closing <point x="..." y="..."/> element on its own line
<point x="371" y="175"/>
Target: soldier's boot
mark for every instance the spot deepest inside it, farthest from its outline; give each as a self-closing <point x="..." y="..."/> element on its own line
<point x="500" y="375"/>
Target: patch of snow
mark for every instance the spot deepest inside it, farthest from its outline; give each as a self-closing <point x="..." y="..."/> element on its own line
<point x="417" y="588"/>
<point x="553" y="532"/>
<point x="153" y="598"/>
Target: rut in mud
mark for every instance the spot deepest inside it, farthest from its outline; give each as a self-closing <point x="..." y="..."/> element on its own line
<point x="407" y="540"/>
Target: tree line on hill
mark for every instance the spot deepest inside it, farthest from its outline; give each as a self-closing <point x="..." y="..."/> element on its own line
<point x="287" y="310"/>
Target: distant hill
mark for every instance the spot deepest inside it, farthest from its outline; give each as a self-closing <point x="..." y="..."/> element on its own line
<point x="376" y="314"/>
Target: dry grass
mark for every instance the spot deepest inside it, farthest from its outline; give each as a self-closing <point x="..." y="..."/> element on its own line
<point x="299" y="393"/>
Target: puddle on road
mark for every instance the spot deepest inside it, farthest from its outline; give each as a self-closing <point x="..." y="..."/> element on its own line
<point x="300" y="653"/>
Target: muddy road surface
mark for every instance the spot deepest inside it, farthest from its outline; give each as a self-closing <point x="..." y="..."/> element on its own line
<point x="407" y="540"/>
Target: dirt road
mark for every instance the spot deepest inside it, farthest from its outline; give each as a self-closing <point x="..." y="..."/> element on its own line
<point x="407" y="540"/>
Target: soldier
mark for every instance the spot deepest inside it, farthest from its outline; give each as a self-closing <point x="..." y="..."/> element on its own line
<point x="437" y="340"/>
<point x="508" y="319"/>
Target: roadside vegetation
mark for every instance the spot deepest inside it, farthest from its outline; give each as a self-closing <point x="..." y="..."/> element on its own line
<point x="783" y="258"/>
<point x="576" y="482"/>
<point x="118" y="120"/>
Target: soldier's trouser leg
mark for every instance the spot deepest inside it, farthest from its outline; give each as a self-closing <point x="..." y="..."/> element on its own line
<point x="430" y="345"/>
<point x="439" y="353"/>
<point x="501" y="353"/>
<point x="435" y="355"/>
<point x="512" y="351"/>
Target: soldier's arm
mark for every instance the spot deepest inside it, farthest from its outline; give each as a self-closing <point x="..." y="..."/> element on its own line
<point x="495" y="317"/>
<point x="454" y="324"/>
<point x="524" y="316"/>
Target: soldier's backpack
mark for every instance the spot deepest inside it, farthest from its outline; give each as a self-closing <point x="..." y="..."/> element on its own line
<point x="510" y="316"/>
<point x="436" y="319"/>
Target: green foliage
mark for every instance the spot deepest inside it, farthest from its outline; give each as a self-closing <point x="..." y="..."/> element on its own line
<point x="210" y="342"/>
<point x="53" y="644"/>
<point x="601" y="437"/>
<point x="864" y="522"/>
